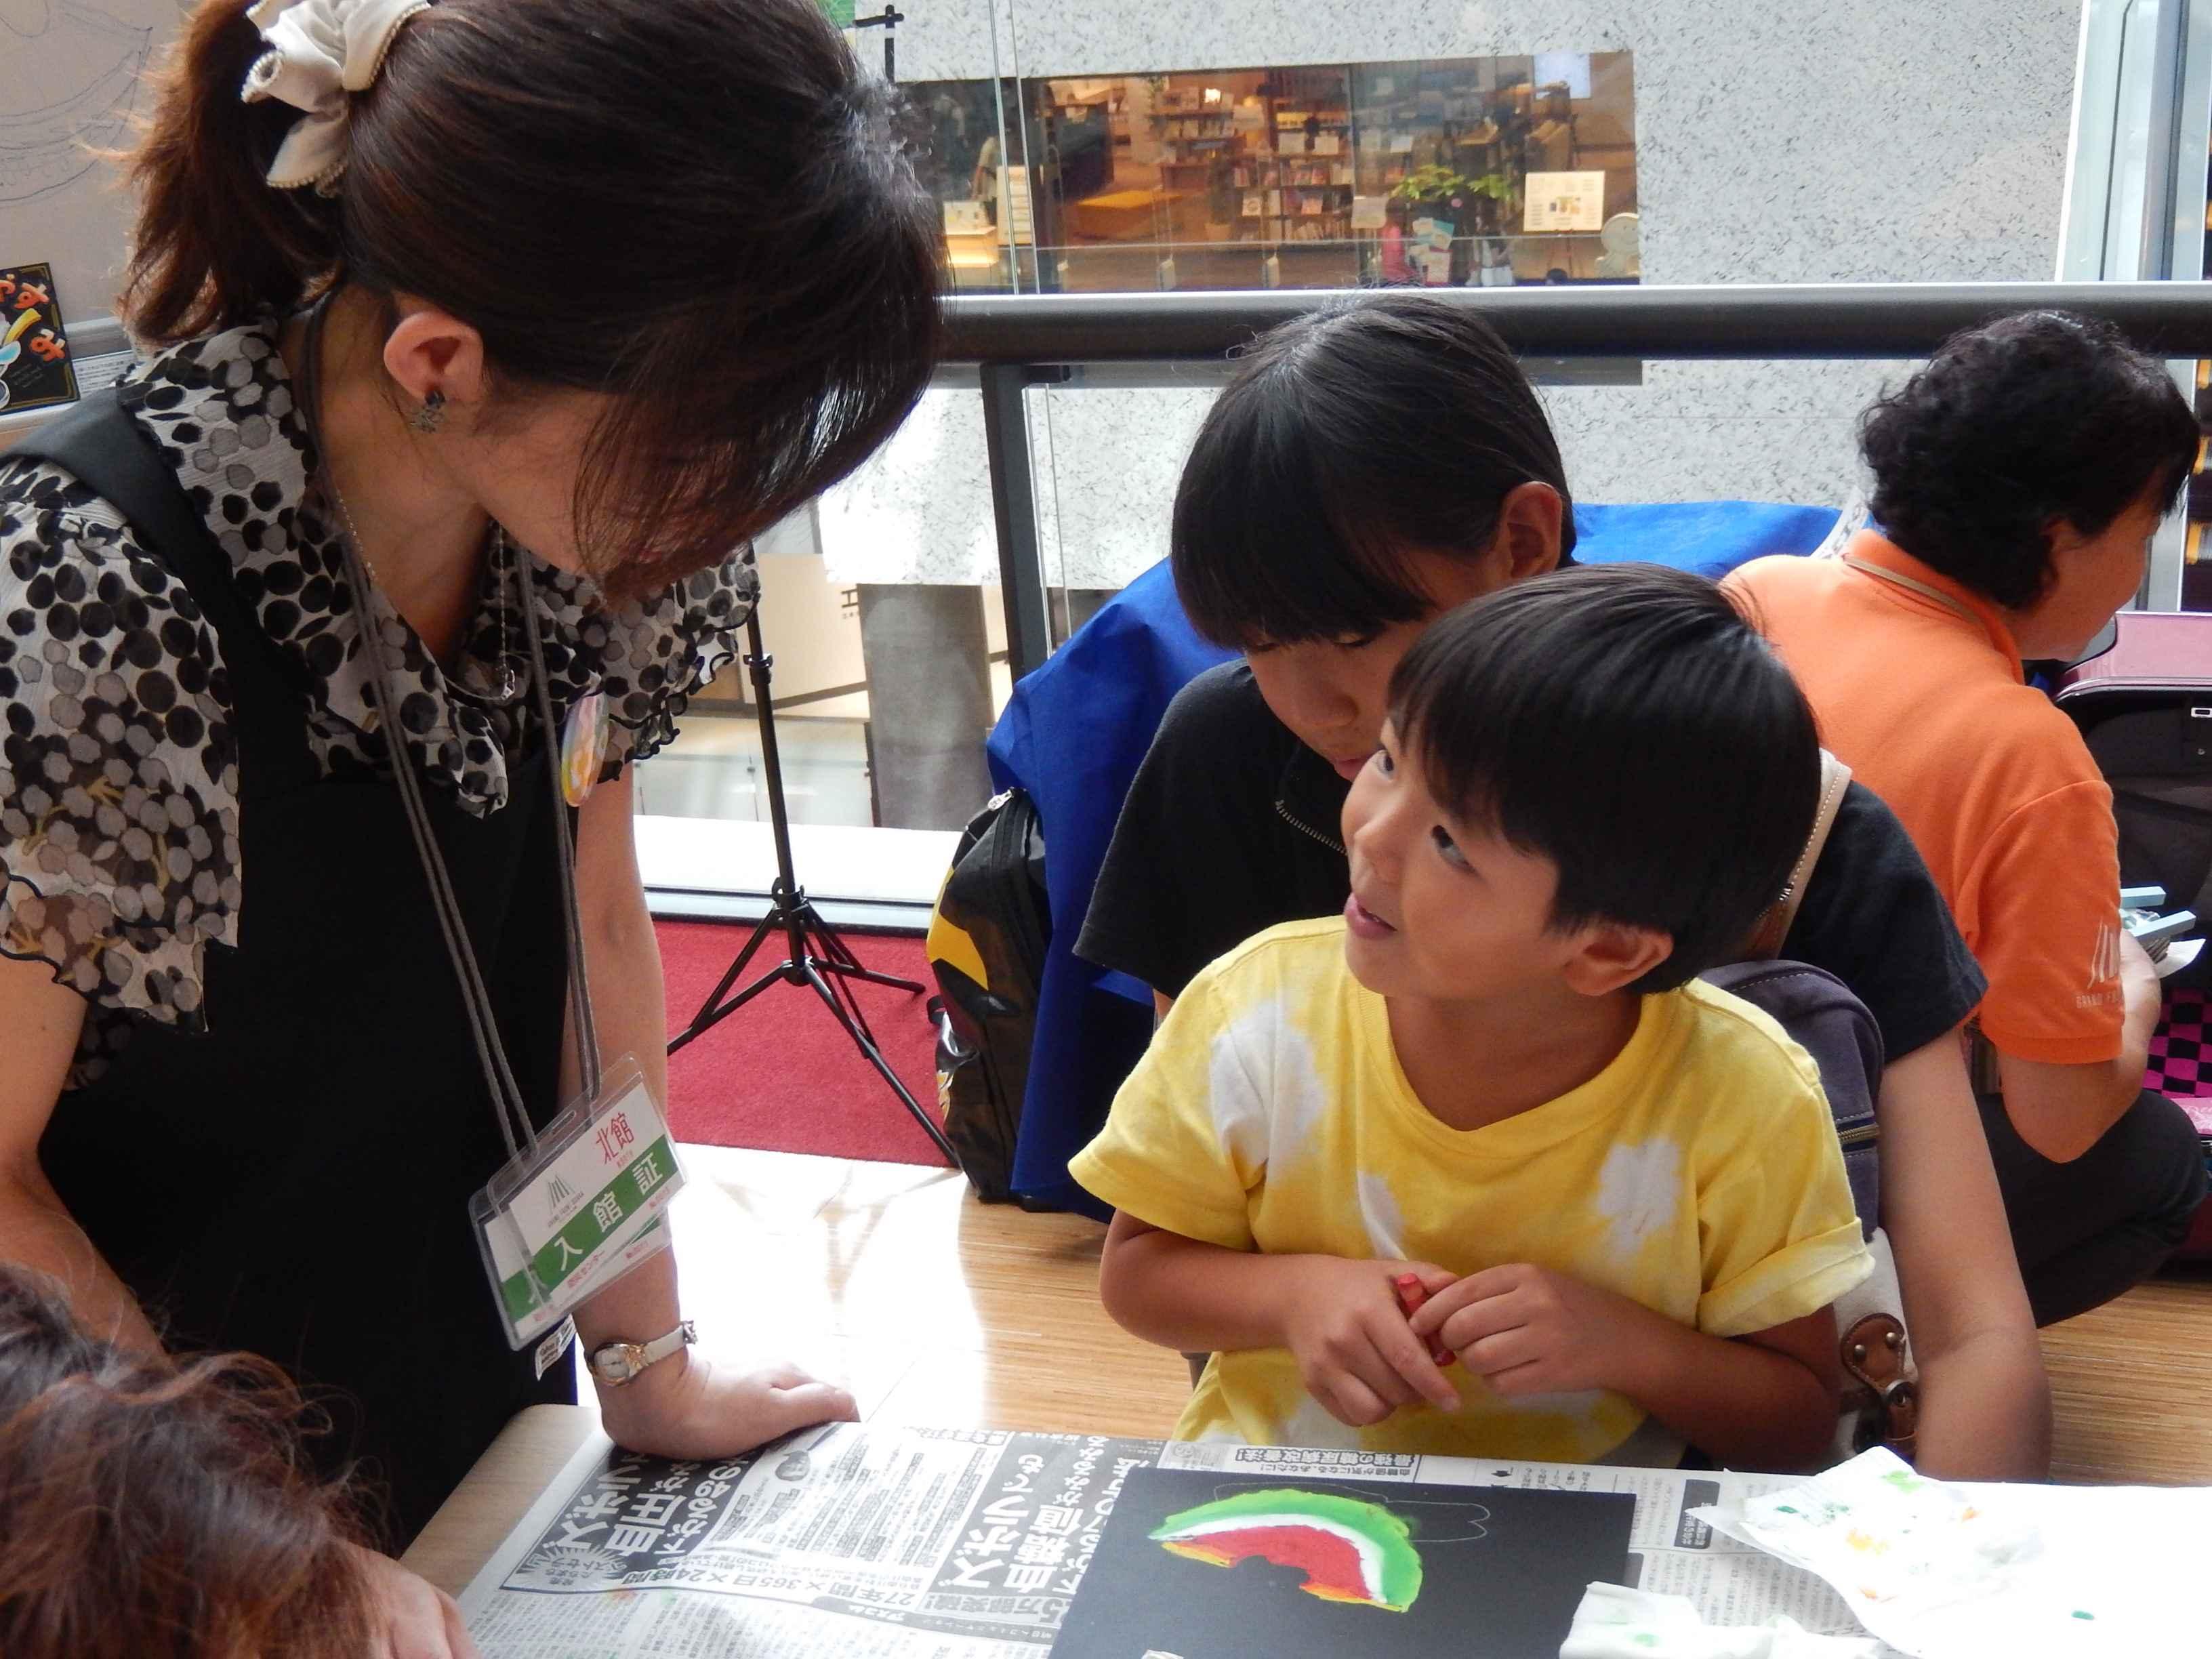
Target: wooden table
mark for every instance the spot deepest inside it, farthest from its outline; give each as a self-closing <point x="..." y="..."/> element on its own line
<point x="935" y="1308"/>
<point x="512" y="1474"/>
<point x="1122" y="216"/>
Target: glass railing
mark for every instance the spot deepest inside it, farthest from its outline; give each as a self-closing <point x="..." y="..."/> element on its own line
<point x="1037" y="479"/>
<point x="1440" y="171"/>
<point x="1419" y="256"/>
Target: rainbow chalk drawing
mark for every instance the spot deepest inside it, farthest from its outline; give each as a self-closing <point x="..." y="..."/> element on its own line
<point x="1351" y="1550"/>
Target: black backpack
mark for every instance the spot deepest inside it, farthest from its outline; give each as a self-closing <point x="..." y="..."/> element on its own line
<point x="986" y="947"/>
<point x="2143" y="706"/>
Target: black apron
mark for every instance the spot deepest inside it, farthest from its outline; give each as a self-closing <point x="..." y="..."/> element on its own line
<point x="296" y="1180"/>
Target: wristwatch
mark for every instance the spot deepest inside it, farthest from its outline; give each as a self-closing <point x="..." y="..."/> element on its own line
<point x="616" y="1363"/>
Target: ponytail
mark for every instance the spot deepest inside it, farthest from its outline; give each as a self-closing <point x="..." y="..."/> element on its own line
<point x="215" y="245"/>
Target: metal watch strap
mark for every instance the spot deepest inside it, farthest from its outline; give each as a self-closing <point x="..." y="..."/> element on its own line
<point x="635" y="1357"/>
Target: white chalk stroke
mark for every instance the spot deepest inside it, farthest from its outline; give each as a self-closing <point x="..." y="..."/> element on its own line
<point x="69" y="76"/>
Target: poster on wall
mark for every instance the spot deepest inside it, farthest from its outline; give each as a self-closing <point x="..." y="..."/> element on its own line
<point x="1564" y="201"/>
<point x="967" y="219"/>
<point x="35" y="370"/>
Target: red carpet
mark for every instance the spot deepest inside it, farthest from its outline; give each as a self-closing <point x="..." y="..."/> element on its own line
<point x="780" y="1074"/>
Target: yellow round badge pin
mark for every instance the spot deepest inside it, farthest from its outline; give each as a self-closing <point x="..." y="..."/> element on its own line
<point x="583" y="747"/>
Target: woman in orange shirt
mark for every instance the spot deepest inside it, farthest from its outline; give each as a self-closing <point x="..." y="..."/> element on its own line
<point x="2018" y="479"/>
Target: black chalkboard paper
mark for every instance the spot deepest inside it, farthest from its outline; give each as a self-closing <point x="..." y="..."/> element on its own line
<point x="1197" y="1564"/>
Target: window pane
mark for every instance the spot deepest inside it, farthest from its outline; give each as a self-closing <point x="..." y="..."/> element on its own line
<point x="1467" y="170"/>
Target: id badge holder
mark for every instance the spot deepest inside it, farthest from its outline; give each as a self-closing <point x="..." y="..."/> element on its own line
<point x="560" y="1222"/>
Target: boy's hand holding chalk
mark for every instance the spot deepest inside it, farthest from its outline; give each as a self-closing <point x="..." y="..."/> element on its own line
<point x="1345" y="1324"/>
<point x="1411" y="1294"/>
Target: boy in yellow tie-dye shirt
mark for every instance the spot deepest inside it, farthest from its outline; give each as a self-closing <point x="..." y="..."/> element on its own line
<point x="1618" y="1190"/>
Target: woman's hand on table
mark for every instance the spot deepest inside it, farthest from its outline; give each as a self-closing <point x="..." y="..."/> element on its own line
<point x="414" y="1620"/>
<point x="686" y="1407"/>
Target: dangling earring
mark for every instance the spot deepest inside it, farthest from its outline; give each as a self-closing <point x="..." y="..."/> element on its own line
<point x="432" y="415"/>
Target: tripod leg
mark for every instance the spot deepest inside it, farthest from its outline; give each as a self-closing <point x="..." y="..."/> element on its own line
<point x="709" y="1015"/>
<point x="782" y="973"/>
<point x="833" y="975"/>
<point x="833" y="942"/>
<point x="842" y="959"/>
<point x="852" y="971"/>
<point x="839" y="964"/>
<point x="874" y="1056"/>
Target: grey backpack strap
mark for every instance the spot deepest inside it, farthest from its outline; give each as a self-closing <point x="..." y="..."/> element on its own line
<point x="1775" y="922"/>
<point x="1822" y="1017"/>
<point x="1818" y="1011"/>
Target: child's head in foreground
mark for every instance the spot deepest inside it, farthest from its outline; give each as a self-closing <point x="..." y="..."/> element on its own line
<point x="1596" y="779"/>
<point x="156" y="1509"/>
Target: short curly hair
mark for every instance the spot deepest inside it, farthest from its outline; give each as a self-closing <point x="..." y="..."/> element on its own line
<point x="2034" y="420"/>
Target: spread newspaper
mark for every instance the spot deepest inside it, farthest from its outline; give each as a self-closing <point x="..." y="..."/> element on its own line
<point x="857" y="1542"/>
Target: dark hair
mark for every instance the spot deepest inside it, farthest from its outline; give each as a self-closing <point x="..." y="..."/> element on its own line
<point x="698" y="207"/>
<point x="1626" y="722"/>
<point x="156" y="1510"/>
<point x="1373" y="427"/>
<point x="2010" y="427"/>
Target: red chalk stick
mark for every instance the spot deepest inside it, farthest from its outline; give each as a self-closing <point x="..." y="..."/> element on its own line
<point x="1411" y="1294"/>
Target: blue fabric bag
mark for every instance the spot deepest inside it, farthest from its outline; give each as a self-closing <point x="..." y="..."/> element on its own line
<point x="1710" y="538"/>
<point x="1072" y="736"/>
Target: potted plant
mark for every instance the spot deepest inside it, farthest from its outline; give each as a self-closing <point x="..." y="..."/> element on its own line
<point x="1470" y="205"/>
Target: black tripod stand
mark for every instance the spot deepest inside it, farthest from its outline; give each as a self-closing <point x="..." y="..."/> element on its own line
<point x="818" y="957"/>
<point x="888" y="20"/>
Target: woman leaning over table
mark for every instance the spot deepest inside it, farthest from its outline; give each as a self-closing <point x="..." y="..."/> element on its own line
<point x="477" y="335"/>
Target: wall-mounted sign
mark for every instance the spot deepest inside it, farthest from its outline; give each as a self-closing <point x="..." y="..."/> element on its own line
<point x="967" y="219"/>
<point x="1015" y="214"/>
<point x="1564" y="201"/>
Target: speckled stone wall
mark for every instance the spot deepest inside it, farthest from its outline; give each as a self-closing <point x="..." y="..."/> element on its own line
<point x="1776" y="142"/>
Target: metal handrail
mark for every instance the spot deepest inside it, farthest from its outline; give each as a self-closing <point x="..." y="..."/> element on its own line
<point x="1018" y="340"/>
<point x="1718" y="320"/>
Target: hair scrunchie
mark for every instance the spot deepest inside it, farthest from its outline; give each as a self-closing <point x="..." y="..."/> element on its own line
<point x="320" y="52"/>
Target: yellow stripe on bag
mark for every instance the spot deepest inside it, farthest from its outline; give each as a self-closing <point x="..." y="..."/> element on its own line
<point x="949" y="943"/>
